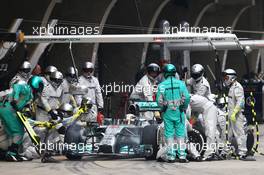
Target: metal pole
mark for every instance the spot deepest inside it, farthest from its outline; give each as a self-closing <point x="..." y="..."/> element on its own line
<point x="219" y="45"/>
<point x="73" y="62"/>
<point x="131" y="38"/>
<point x="164" y="52"/>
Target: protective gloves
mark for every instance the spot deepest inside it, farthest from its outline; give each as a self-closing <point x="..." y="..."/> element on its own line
<point x="234" y="113"/>
<point x="157" y="114"/>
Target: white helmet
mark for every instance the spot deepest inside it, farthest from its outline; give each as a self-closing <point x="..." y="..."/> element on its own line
<point x="71" y="74"/>
<point x="25" y="65"/>
<point x="66" y="110"/>
<point x="153" y="68"/>
<point x="197" y="72"/>
<point x="50" y="69"/>
<point x="56" y="78"/>
<point x="88" y="69"/>
<point x="66" y="107"/>
<point x="88" y="65"/>
<point x="229" y="76"/>
<point x="24" y="69"/>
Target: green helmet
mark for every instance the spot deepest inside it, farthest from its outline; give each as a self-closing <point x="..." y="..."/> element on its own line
<point x="169" y="70"/>
<point x="36" y="83"/>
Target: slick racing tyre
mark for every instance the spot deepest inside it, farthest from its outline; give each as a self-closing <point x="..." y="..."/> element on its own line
<point x="197" y="139"/>
<point x="149" y="137"/>
<point x="250" y="140"/>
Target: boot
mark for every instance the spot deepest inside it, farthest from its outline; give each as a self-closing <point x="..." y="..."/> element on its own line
<point x="183" y="160"/>
<point x="198" y="159"/>
<point x="47" y="158"/>
<point x="12" y="154"/>
<point x="170" y="158"/>
<point x="247" y="158"/>
<point x="211" y="157"/>
<point x="171" y="154"/>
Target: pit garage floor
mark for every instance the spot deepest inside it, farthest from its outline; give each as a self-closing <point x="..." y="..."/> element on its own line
<point x="95" y="166"/>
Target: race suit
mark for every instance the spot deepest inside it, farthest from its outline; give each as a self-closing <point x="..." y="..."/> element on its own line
<point x="67" y="94"/>
<point x="93" y="91"/>
<point x="208" y="110"/>
<point x="50" y="99"/>
<point x="209" y="114"/>
<point x="236" y="102"/>
<point x="17" y="100"/>
<point x="19" y="78"/>
<point x="201" y="87"/>
<point x="174" y="98"/>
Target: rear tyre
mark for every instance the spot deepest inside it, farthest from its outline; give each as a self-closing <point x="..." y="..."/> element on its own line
<point x="197" y="138"/>
<point x="149" y="137"/>
<point x="250" y="140"/>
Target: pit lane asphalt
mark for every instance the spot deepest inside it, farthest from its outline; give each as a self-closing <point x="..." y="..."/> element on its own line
<point x="106" y="166"/>
<point x="132" y="167"/>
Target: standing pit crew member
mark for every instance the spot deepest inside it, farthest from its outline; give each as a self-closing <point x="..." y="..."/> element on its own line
<point x="48" y="71"/>
<point x="69" y="83"/>
<point x="23" y="73"/>
<point x="237" y="120"/>
<point x="92" y="88"/>
<point x="174" y="98"/>
<point x="50" y="98"/>
<point x="145" y="89"/>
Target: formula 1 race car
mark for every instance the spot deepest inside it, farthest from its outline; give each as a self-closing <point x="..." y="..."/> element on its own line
<point x="136" y="139"/>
